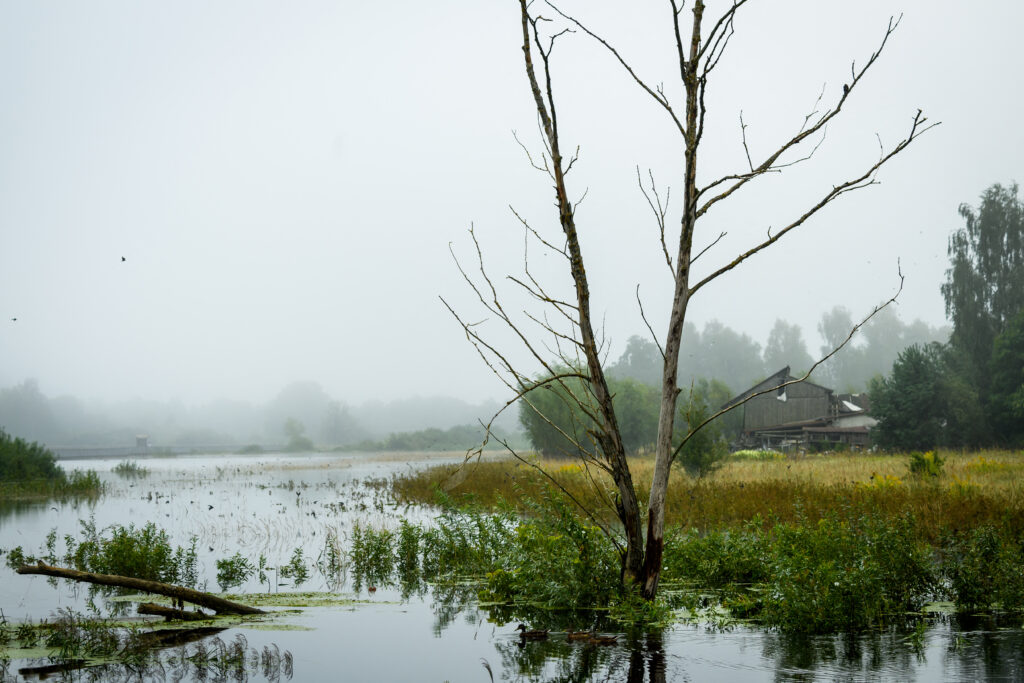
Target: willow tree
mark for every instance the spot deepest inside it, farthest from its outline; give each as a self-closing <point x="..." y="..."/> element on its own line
<point x="565" y="327"/>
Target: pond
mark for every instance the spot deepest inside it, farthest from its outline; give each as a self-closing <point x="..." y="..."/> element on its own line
<point x="270" y="505"/>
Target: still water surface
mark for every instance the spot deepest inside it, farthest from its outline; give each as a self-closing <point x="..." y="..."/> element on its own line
<point x="270" y="505"/>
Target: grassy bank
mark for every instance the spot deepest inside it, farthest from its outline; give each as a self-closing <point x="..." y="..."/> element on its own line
<point x="29" y="471"/>
<point x="812" y="545"/>
<point x="972" y="490"/>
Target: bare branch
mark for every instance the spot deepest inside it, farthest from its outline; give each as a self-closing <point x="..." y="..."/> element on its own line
<point x="649" y="328"/>
<point x="657" y="95"/>
<point x="917" y="129"/>
<point x="659" y="212"/>
<point x="705" y="249"/>
<point x="770" y="162"/>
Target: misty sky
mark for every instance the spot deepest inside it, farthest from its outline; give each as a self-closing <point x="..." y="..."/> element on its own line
<point x="284" y="180"/>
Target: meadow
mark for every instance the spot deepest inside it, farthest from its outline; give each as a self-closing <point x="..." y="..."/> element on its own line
<point x="968" y="491"/>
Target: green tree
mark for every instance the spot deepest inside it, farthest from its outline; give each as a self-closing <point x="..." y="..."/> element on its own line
<point x="984" y="286"/>
<point x="1006" y="395"/>
<point x="557" y="415"/>
<point x="295" y="431"/>
<point x="786" y="347"/>
<point x="926" y="401"/>
<point x="706" y="449"/>
<point x="641" y="360"/>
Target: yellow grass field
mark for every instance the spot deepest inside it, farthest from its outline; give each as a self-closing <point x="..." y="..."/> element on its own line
<point x="977" y="488"/>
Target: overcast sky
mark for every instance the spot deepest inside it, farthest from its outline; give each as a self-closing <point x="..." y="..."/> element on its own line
<point x="283" y="180"/>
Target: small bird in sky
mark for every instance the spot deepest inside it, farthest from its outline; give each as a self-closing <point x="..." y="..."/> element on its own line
<point x="14" y="320"/>
<point x="123" y="259"/>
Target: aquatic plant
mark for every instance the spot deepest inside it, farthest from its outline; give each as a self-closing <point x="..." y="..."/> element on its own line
<point x="839" y="574"/>
<point x="144" y="553"/>
<point x="233" y="571"/>
<point x="984" y="569"/>
<point x="296" y="568"/>
<point x="129" y="469"/>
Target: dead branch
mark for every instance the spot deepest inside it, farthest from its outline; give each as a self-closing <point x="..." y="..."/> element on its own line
<point x="170" y="613"/>
<point x="207" y="600"/>
<point x="917" y="129"/>
<point x="804" y="132"/>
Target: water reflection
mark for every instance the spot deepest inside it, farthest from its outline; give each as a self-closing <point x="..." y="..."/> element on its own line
<point x="272" y="505"/>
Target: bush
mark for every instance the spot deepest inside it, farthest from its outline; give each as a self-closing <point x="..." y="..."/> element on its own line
<point x="927" y="464"/>
<point x="557" y="561"/>
<point x="984" y="569"/>
<point x="841" y="575"/>
<point x="21" y="461"/>
<point x="718" y="558"/>
<point x="233" y="571"/>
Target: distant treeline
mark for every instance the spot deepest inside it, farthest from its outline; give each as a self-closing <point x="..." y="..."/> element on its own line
<point x="734" y="359"/>
<point x="458" y="438"/>
<point x="301" y="408"/>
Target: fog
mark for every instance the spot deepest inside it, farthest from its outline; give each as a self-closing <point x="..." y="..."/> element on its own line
<point x="203" y="203"/>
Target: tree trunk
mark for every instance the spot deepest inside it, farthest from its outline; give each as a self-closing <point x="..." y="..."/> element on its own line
<point x="681" y="298"/>
<point x="218" y="605"/>
<point x="170" y="613"/>
<point x="609" y="437"/>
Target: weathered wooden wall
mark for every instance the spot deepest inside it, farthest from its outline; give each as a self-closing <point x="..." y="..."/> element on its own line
<point x="803" y="402"/>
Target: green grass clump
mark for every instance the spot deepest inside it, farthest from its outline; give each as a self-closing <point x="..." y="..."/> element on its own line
<point x="129" y="469"/>
<point x="143" y="553"/>
<point x="29" y="471"/>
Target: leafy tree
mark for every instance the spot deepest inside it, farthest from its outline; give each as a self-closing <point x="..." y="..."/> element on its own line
<point x="786" y="347"/>
<point x="984" y="286"/>
<point x="556" y="420"/>
<point x="21" y="460"/>
<point x="702" y="453"/>
<point x="1006" y="395"/>
<point x="641" y="360"/>
<point x="295" y="431"/>
<point x="721" y="353"/>
<point x="925" y="402"/>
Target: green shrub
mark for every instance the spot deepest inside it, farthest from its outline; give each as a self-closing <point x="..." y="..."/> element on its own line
<point x="984" y="569"/>
<point x="927" y="464"/>
<point x="372" y="557"/>
<point x="840" y="575"/>
<point x="296" y="568"/>
<point x="143" y="553"/>
<point x="130" y="469"/>
<point x="233" y="571"/>
<point x="21" y="460"/>
<point x="718" y="558"/>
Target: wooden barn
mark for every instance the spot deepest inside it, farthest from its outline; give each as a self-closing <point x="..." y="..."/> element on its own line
<point x="802" y="415"/>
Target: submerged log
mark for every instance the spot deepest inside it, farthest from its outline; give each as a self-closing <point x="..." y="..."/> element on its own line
<point x="218" y="605"/>
<point x="170" y="613"/>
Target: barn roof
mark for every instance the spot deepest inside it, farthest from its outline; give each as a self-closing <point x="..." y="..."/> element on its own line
<point x="774" y="380"/>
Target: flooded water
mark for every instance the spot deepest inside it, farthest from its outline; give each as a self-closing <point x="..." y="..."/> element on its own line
<point x="271" y="505"/>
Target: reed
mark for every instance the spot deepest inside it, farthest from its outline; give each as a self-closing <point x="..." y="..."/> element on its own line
<point x="973" y="489"/>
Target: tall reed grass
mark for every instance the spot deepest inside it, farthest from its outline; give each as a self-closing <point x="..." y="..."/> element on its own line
<point x="974" y="489"/>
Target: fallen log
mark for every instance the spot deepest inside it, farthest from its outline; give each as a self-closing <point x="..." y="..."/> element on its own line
<point x="218" y="605"/>
<point x="170" y="613"/>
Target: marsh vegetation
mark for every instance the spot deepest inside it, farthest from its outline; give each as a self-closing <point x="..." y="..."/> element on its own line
<point x="834" y="558"/>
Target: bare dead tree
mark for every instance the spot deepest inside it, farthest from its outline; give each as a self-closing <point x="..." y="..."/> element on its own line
<point x="566" y="331"/>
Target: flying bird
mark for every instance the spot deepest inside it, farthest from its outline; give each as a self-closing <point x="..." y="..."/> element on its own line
<point x="14" y="320"/>
<point x="123" y="259"/>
